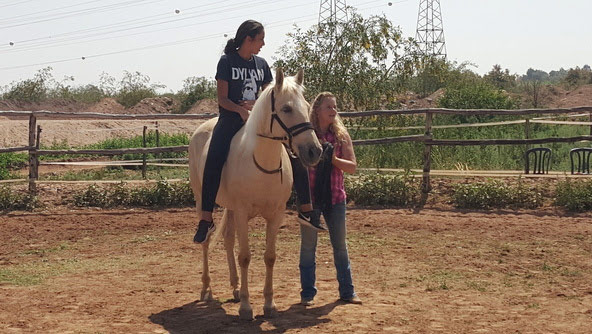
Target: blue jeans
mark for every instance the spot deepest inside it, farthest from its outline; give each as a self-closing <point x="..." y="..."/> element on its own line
<point x="335" y="219"/>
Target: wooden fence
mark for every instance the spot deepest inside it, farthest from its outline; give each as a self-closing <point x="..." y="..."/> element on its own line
<point x="426" y="138"/>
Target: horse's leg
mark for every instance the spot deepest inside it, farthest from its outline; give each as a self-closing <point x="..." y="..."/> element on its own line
<point x="206" y="289"/>
<point x="273" y="225"/>
<point x="229" y="236"/>
<point x="244" y="258"/>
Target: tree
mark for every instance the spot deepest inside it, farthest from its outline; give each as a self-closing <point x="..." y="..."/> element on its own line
<point x="31" y="90"/>
<point x="533" y="74"/>
<point x="134" y="88"/>
<point x="195" y="89"/>
<point x="501" y="79"/>
<point x="364" y="61"/>
<point x="476" y="95"/>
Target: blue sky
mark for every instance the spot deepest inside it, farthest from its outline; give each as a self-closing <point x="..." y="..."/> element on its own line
<point x="516" y="34"/>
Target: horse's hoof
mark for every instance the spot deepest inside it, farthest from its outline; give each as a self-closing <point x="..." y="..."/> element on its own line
<point x="236" y="295"/>
<point x="270" y="312"/>
<point x="206" y="296"/>
<point x="245" y="314"/>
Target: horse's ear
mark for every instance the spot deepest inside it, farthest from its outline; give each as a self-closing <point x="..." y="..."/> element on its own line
<point x="279" y="77"/>
<point x="300" y="77"/>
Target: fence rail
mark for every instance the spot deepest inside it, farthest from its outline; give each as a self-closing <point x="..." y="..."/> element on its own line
<point x="427" y="138"/>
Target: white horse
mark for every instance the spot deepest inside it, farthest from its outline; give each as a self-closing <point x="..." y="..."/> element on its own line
<point x="256" y="179"/>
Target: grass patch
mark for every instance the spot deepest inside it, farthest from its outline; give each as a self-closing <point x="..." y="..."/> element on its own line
<point x="45" y="251"/>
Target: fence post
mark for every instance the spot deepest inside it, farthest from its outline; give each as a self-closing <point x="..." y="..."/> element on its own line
<point x="144" y="154"/>
<point x="33" y="163"/>
<point x="157" y="155"/>
<point x="527" y="132"/>
<point x="590" y="116"/>
<point x="425" y="187"/>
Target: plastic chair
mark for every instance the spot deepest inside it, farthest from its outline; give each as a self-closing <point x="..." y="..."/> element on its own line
<point x="542" y="160"/>
<point x="583" y="160"/>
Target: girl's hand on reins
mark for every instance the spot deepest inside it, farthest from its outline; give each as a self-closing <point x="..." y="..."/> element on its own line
<point x="244" y="114"/>
<point x="247" y="104"/>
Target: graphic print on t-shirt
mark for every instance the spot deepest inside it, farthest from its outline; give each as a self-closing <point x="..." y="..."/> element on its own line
<point x="249" y="78"/>
<point x="249" y="89"/>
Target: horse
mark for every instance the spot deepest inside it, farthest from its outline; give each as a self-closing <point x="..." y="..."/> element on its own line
<point x="256" y="179"/>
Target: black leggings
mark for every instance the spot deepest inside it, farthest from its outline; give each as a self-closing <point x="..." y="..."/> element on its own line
<point x="227" y="126"/>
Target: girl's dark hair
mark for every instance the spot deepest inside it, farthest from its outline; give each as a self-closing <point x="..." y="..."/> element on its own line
<point x="248" y="28"/>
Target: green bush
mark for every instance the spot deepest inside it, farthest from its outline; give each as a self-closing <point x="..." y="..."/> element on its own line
<point x="31" y="90"/>
<point x="163" y="193"/>
<point x="134" y="88"/>
<point x="93" y="196"/>
<point x="11" y="160"/>
<point x="495" y="194"/>
<point x="476" y="95"/>
<point x="382" y="189"/>
<point x="574" y="195"/>
<point x="10" y="200"/>
<point x="195" y="89"/>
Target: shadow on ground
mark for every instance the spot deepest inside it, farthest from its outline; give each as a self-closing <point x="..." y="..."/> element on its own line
<point x="211" y="317"/>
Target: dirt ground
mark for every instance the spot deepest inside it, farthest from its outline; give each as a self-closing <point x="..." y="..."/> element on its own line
<point x="439" y="270"/>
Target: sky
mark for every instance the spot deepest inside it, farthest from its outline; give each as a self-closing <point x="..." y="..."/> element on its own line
<point x="171" y="40"/>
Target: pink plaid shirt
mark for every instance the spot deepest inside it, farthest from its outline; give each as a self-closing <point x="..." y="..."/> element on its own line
<point x="337" y="185"/>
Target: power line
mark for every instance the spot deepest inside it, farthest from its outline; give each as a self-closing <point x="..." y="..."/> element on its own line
<point x="14" y="4"/>
<point x="112" y="25"/>
<point x="166" y="21"/>
<point x="93" y="10"/>
<point x="45" y="11"/>
<point x="179" y="42"/>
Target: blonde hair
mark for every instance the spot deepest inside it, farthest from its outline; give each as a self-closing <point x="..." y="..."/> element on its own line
<point x="337" y="127"/>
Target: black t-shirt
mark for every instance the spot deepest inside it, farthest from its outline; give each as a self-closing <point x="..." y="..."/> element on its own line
<point x="244" y="77"/>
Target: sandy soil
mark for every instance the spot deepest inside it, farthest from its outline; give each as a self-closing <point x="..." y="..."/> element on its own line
<point x="67" y="270"/>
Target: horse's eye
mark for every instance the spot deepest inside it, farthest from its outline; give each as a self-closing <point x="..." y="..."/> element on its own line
<point x="287" y="109"/>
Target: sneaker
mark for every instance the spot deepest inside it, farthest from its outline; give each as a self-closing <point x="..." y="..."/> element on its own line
<point x="307" y="301"/>
<point x="204" y="230"/>
<point x="352" y="300"/>
<point x="309" y="219"/>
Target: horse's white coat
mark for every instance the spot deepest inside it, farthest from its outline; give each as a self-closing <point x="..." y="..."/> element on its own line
<point x="245" y="191"/>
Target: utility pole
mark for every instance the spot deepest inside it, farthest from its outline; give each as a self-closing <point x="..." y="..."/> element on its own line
<point x="430" y="30"/>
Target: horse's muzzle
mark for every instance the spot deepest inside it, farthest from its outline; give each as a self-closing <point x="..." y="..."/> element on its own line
<point x="309" y="154"/>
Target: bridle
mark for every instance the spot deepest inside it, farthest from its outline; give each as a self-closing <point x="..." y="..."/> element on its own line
<point x="291" y="132"/>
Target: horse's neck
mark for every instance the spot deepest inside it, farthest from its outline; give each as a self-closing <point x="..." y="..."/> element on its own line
<point x="267" y="152"/>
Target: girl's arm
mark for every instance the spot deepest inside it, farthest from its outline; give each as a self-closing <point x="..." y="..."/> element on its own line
<point x="226" y="103"/>
<point x="347" y="163"/>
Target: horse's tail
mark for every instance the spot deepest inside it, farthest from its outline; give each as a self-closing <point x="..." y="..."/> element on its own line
<point x="225" y="226"/>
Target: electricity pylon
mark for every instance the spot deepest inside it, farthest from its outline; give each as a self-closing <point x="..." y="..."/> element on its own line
<point x="332" y="11"/>
<point x="430" y="30"/>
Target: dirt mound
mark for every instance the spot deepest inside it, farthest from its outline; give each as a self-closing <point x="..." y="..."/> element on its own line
<point x="411" y="100"/>
<point x="50" y="105"/>
<point x="155" y="105"/>
<point x="205" y="106"/>
<point x="107" y="105"/>
<point x="580" y="96"/>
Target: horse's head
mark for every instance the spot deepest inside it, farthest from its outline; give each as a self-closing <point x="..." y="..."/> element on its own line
<point x="289" y="119"/>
